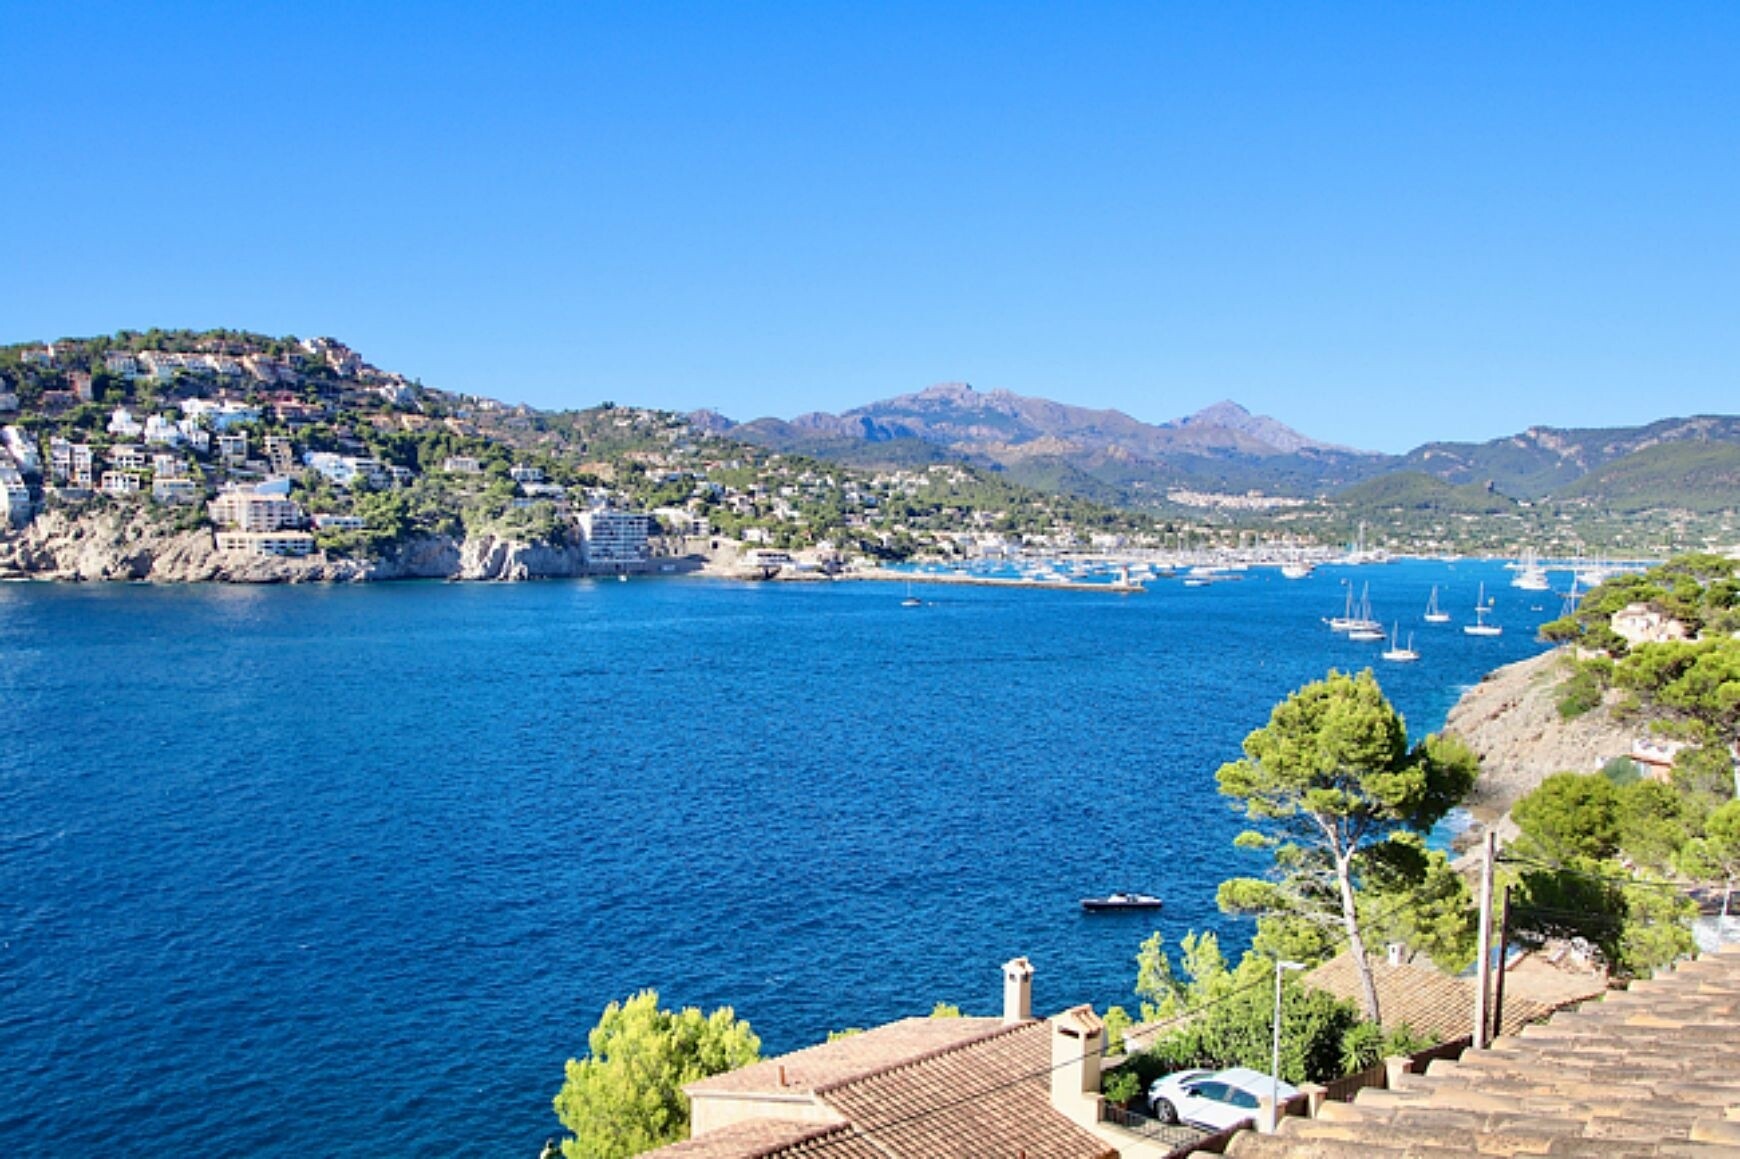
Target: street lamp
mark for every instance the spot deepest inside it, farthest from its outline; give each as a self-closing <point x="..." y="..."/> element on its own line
<point x="1275" y="1058"/>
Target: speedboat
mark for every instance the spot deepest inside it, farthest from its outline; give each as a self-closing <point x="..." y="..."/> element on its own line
<point x="1120" y="901"/>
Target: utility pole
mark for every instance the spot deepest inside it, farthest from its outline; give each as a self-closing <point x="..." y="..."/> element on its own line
<point x="1503" y="967"/>
<point x="1275" y="1057"/>
<point x="1483" y="972"/>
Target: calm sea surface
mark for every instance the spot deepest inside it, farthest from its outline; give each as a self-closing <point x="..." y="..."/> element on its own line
<point x="351" y="871"/>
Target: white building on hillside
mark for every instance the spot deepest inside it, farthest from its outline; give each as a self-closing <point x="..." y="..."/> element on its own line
<point x="614" y="538"/>
<point x="254" y="512"/>
<point x="221" y="414"/>
<point x="347" y="470"/>
<point x="15" y="494"/>
<point x="163" y="432"/>
<point x="174" y="489"/>
<point x="124" y="424"/>
<point x="279" y="543"/>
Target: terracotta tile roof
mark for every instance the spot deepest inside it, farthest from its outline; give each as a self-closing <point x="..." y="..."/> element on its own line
<point x="954" y="1089"/>
<point x="1651" y="1071"/>
<point x="1419" y="995"/>
<point x="768" y="1139"/>
<point x="991" y="1098"/>
<point x="847" y="1058"/>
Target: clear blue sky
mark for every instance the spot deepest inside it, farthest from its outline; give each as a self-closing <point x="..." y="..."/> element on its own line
<point x="1381" y="223"/>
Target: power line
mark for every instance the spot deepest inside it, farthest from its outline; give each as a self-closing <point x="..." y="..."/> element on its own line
<point x="1623" y="882"/>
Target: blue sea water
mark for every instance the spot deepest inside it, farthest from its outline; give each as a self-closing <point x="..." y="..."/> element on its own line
<point x="351" y="871"/>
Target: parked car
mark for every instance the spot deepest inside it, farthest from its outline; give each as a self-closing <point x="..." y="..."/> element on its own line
<point x="1213" y="1099"/>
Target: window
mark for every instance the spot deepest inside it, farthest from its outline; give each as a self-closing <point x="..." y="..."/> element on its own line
<point x="1239" y="1098"/>
<point x="1216" y="1091"/>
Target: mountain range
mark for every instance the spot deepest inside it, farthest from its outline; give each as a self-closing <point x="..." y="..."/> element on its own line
<point x="1109" y="456"/>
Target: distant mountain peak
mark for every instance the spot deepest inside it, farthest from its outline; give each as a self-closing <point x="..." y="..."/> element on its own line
<point x="949" y="390"/>
<point x="1219" y="415"/>
<point x="1230" y="416"/>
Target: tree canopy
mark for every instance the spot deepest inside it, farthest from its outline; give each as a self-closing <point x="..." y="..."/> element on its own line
<point x="626" y="1096"/>
<point x="1573" y="829"/>
<point x="1331" y="780"/>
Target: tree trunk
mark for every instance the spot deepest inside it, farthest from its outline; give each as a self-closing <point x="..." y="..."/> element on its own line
<point x="1355" y="943"/>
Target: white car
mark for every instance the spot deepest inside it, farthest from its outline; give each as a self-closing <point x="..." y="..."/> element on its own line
<point x="1213" y="1099"/>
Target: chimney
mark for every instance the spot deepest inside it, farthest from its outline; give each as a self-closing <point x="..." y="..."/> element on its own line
<point x="1078" y="1038"/>
<point x="1396" y="951"/>
<point x="1017" y="991"/>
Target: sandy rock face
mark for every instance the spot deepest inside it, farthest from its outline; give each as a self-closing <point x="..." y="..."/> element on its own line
<point x="1511" y="719"/>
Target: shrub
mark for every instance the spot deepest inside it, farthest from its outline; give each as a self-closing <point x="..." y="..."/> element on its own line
<point x="1120" y="1086"/>
<point x="1578" y="694"/>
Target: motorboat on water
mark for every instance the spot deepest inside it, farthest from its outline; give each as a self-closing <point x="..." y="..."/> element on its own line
<point x="1114" y="901"/>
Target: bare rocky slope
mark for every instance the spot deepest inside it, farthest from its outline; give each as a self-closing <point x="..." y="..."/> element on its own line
<point x="124" y="545"/>
<point x="1511" y="719"/>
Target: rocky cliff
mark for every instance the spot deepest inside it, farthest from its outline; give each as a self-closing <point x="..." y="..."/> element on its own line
<point x="137" y="544"/>
<point x="1511" y="719"/>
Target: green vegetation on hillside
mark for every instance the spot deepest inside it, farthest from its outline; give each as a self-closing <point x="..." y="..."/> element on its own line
<point x="1418" y="491"/>
<point x="1701" y="477"/>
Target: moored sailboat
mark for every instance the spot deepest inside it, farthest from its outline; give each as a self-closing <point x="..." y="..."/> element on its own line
<point x="1434" y="614"/>
<point x="1480" y="627"/>
<point x="1357" y="622"/>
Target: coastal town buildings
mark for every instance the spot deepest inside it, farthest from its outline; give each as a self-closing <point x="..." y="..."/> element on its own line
<point x="274" y="543"/>
<point x="349" y="470"/>
<point x="253" y="511"/>
<point x="16" y="445"/>
<point x="15" y="493"/>
<point x="615" y="538"/>
<point x="174" y="490"/>
<point x="129" y="457"/>
<point x="280" y="454"/>
<point x="123" y="424"/>
<point x="220" y="414"/>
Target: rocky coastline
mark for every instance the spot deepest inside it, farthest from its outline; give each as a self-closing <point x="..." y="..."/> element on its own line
<point x="1511" y="720"/>
<point x="129" y="546"/>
